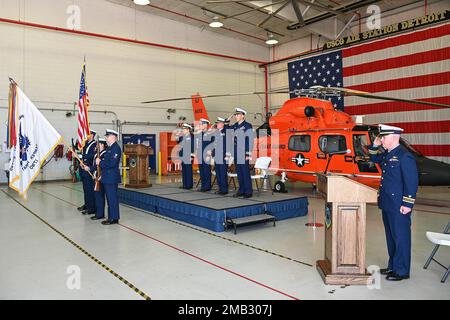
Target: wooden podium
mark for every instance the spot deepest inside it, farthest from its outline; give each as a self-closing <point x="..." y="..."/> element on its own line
<point x="345" y="230"/>
<point x="138" y="163"/>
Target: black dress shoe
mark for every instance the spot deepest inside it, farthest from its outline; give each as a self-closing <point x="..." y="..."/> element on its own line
<point x="96" y="218"/>
<point x="89" y="212"/>
<point x="396" y="277"/>
<point x="246" y="196"/>
<point x="222" y="193"/>
<point x="237" y="195"/>
<point x="83" y="207"/>
<point x="386" y="271"/>
<point x="108" y="222"/>
<point x="205" y="190"/>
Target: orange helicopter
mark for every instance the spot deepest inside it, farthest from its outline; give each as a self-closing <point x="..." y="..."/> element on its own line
<point x="308" y="136"/>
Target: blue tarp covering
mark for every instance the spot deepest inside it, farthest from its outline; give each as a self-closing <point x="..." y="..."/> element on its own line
<point x="211" y="217"/>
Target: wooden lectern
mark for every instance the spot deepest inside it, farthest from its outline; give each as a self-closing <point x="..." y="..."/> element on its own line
<point x="138" y="163"/>
<point x="345" y="230"/>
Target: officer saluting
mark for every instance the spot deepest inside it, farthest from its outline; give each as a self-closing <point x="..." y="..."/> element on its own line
<point x="111" y="175"/>
<point x="88" y="182"/>
<point x="243" y="146"/>
<point x="399" y="183"/>
<point x="186" y="142"/>
<point x="219" y="154"/>
<point x="203" y="140"/>
<point x="99" y="194"/>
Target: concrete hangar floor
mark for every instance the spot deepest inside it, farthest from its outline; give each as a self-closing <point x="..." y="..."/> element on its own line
<point x="47" y="241"/>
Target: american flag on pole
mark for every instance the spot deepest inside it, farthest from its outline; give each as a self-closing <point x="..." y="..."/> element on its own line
<point x="414" y="65"/>
<point x="83" y="106"/>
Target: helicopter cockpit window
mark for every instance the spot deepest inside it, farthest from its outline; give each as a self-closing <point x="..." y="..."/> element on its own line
<point x="329" y="144"/>
<point x="362" y="154"/>
<point x="360" y="145"/>
<point x="300" y="143"/>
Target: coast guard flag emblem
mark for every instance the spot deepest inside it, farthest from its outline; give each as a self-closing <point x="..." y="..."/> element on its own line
<point x="32" y="140"/>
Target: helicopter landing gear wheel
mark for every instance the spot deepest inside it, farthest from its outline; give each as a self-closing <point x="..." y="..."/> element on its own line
<point x="280" y="186"/>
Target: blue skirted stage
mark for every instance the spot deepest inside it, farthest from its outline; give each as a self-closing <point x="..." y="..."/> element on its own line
<point x="209" y="210"/>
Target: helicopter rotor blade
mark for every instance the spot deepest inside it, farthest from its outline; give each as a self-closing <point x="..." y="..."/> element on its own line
<point x="206" y="96"/>
<point x="310" y="91"/>
<point x="369" y="95"/>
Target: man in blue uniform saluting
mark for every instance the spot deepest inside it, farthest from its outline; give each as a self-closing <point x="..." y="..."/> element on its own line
<point x="243" y="146"/>
<point x="186" y="154"/>
<point x="204" y="160"/>
<point x="219" y="155"/>
<point x="86" y="179"/>
<point x="399" y="183"/>
<point x="111" y="175"/>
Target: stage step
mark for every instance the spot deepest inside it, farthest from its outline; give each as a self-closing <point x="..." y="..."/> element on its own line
<point x="249" y="220"/>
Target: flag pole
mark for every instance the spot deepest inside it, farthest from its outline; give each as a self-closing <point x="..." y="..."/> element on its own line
<point x="76" y="155"/>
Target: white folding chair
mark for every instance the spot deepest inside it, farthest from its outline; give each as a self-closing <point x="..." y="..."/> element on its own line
<point x="439" y="239"/>
<point x="262" y="165"/>
<point x="231" y="172"/>
<point x="214" y="175"/>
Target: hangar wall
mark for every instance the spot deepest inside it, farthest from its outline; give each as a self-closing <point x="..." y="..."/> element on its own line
<point x="120" y="75"/>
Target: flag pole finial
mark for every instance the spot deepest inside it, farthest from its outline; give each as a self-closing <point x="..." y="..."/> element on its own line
<point x="12" y="80"/>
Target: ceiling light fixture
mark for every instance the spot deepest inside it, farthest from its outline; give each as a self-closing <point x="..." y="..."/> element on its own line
<point x="216" y="23"/>
<point x="271" y="40"/>
<point x="142" y="2"/>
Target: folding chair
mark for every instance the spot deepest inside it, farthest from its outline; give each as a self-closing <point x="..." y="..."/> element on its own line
<point x="439" y="239"/>
<point x="232" y="175"/>
<point x="262" y="165"/>
<point x="213" y="173"/>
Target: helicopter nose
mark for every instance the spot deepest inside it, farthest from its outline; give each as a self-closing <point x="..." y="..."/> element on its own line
<point x="433" y="173"/>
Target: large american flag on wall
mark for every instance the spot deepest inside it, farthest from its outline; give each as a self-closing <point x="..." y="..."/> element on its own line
<point x="413" y="65"/>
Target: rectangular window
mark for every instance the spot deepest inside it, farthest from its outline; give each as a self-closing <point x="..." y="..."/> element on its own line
<point x="329" y="144"/>
<point x="300" y="143"/>
<point x="361" y="154"/>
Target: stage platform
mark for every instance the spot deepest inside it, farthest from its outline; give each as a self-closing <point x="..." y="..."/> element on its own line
<point x="209" y="210"/>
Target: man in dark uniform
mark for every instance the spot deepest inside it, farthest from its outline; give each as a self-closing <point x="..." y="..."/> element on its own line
<point x="99" y="194"/>
<point x="111" y="175"/>
<point x="86" y="178"/>
<point x="399" y="183"/>
<point x="79" y="152"/>
<point x="186" y="142"/>
<point x="243" y="146"/>
<point x="203" y="140"/>
<point x="219" y="154"/>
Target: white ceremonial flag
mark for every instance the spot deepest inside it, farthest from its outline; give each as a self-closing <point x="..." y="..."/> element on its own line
<point x="35" y="139"/>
